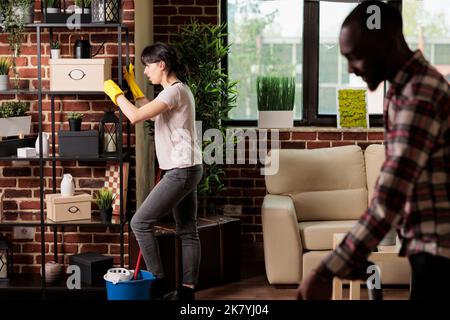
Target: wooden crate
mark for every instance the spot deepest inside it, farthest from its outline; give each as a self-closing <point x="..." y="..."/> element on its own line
<point x="76" y="207"/>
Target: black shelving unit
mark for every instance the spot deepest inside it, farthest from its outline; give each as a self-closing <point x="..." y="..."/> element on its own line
<point x="33" y="282"/>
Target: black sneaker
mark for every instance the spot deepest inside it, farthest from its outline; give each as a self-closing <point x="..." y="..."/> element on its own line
<point x="182" y="294"/>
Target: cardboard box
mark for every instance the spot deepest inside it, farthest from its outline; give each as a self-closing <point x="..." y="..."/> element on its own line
<point x="93" y="266"/>
<point x="79" y="74"/>
<point x="76" y="207"/>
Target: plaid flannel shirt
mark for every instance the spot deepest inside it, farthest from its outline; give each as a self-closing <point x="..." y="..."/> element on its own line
<point x="412" y="192"/>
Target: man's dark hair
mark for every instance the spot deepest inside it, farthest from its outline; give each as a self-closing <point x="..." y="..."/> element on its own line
<point x="391" y="22"/>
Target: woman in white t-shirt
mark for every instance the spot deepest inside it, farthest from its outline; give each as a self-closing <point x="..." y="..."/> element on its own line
<point x="179" y="156"/>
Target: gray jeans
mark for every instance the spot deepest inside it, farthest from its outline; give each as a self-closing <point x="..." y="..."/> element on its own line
<point x="176" y="193"/>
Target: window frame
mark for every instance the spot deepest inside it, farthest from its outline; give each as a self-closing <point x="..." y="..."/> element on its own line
<point x="310" y="79"/>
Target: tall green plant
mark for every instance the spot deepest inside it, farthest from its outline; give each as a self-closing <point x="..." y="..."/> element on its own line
<point x="275" y="93"/>
<point x="201" y="48"/>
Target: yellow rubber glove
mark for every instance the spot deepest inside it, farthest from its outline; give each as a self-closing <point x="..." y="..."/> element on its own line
<point x="112" y="90"/>
<point x="129" y="77"/>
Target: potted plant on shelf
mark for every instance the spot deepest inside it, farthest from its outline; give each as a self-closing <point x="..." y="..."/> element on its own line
<point x="23" y="10"/>
<point x="13" y="118"/>
<point x="50" y="6"/>
<point x="75" y="119"/>
<point x="16" y="15"/>
<point x="83" y="6"/>
<point x="104" y="199"/>
<point x="5" y="65"/>
<point x="55" y="49"/>
<point x="275" y="96"/>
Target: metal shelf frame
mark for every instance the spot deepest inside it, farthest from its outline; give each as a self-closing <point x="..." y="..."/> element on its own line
<point x="123" y="151"/>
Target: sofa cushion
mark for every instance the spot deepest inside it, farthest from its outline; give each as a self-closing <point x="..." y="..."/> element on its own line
<point x="346" y="204"/>
<point x="322" y="169"/>
<point x="374" y="156"/>
<point x="318" y="235"/>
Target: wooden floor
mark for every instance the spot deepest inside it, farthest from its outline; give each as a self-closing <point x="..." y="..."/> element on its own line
<point x="257" y="288"/>
<point x="254" y="286"/>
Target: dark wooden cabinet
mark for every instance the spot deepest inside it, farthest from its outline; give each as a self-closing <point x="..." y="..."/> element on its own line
<point x="220" y="251"/>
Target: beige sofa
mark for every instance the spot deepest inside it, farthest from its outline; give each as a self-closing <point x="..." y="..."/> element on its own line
<point x="314" y="194"/>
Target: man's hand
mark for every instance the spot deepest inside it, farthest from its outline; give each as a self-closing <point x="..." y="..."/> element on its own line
<point x="112" y="90"/>
<point x="128" y="75"/>
<point x="314" y="288"/>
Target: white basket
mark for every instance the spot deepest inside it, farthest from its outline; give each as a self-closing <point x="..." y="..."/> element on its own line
<point x="116" y="275"/>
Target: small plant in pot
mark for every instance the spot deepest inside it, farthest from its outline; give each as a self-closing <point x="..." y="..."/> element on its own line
<point x="55" y="49"/>
<point x="5" y="65"/>
<point x="75" y="119"/>
<point x="104" y="199"/>
<point x="51" y="6"/>
<point x="276" y="97"/>
<point x="83" y="6"/>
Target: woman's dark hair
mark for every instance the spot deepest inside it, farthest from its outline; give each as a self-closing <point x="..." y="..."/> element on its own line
<point x="163" y="52"/>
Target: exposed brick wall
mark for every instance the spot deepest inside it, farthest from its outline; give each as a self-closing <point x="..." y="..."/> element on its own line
<point x="170" y="15"/>
<point x="20" y="180"/>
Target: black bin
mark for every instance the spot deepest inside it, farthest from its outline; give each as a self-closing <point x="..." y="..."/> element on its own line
<point x="93" y="266"/>
<point x="78" y="143"/>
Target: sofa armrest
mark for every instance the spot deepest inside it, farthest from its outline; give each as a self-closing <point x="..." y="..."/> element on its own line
<point x="282" y="245"/>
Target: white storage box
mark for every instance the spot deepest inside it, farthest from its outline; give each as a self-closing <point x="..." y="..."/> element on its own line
<point x="76" y="207"/>
<point x="79" y="74"/>
<point x="26" y="152"/>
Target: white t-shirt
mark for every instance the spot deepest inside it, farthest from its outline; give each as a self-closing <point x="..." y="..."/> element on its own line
<point x="175" y="133"/>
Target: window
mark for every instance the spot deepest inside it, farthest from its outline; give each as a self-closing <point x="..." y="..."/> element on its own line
<point x="333" y="67"/>
<point x="300" y="38"/>
<point x="426" y="27"/>
<point x="266" y="39"/>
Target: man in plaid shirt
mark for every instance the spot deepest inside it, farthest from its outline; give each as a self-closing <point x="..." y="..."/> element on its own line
<point x="413" y="190"/>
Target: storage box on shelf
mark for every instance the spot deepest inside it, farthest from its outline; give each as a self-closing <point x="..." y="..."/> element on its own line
<point x="82" y="74"/>
<point x="78" y="143"/>
<point x="9" y="146"/>
<point x="93" y="266"/>
<point x="68" y="208"/>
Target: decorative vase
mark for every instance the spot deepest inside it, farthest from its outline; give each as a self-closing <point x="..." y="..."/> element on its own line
<point x="106" y="214"/>
<point x="53" y="271"/>
<point x="75" y="124"/>
<point x="45" y="144"/>
<point x="55" y="53"/>
<point x="4" y="81"/>
<point x="67" y="185"/>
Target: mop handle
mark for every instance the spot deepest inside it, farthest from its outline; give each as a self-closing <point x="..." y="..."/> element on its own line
<point x="138" y="264"/>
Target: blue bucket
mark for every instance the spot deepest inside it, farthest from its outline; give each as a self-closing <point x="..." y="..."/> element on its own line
<point x="131" y="290"/>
